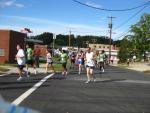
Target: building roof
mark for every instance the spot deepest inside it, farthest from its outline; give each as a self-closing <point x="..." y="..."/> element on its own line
<point x="34" y="40"/>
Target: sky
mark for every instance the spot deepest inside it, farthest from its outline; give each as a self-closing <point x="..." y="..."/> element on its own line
<point x="62" y="16"/>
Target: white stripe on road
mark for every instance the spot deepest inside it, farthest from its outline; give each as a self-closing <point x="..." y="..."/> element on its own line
<point x="31" y="90"/>
<point x="136" y="81"/>
<point x="4" y="74"/>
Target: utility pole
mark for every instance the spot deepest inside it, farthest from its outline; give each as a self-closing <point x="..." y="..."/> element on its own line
<point x="110" y="25"/>
<point x="69" y="37"/>
<point x="54" y="37"/>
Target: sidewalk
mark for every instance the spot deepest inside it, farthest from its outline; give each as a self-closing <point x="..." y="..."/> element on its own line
<point x="13" y="69"/>
<point x="138" y="66"/>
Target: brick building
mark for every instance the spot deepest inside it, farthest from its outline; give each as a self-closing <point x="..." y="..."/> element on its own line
<point x="8" y="41"/>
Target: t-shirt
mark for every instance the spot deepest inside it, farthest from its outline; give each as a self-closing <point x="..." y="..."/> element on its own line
<point x="20" y="53"/>
<point x="29" y="54"/>
<point x="49" y="58"/>
<point x="64" y="57"/>
<point x="89" y="59"/>
<point x="101" y="57"/>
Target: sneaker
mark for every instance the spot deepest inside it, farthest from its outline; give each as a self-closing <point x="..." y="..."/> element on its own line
<point x="27" y="74"/>
<point x="103" y="70"/>
<point x="94" y="80"/>
<point x="20" y="78"/>
<point x="66" y="73"/>
<point x="79" y="73"/>
<point x="88" y="81"/>
<point x="35" y="72"/>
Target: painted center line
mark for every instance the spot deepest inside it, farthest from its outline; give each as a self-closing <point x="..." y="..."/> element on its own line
<point x="30" y="91"/>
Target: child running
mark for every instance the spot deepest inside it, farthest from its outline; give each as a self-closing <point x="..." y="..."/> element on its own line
<point x="49" y="61"/>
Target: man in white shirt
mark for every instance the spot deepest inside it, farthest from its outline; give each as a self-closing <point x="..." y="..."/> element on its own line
<point x="90" y="65"/>
<point x="20" y="57"/>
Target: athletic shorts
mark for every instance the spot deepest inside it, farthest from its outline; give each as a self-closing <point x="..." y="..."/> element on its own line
<point x="64" y="65"/>
<point x="72" y="60"/>
<point x="50" y="63"/>
<point x="30" y="62"/>
<point x="21" y="67"/>
<point x="91" y="67"/>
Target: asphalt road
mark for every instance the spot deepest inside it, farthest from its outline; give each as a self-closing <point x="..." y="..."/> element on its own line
<point x="115" y="91"/>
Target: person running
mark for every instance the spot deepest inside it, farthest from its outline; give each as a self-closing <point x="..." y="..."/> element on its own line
<point x="30" y="60"/>
<point x="37" y="53"/>
<point x="80" y="59"/>
<point x="20" y="57"/>
<point x="64" y="58"/>
<point x="90" y="66"/>
<point x="101" y="60"/>
<point x="49" y="61"/>
<point x="97" y="59"/>
<point x="79" y="63"/>
<point x="72" y="60"/>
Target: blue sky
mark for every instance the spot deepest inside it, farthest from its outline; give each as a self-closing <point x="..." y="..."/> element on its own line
<point x="60" y="16"/>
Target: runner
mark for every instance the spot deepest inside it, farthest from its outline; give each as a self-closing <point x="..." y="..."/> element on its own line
<point x="49" y="61"/>
<point x="101" y="60"/>
<point x="80" y="58"/>
<point x="37" y="53"/>
<point x="20" y="57"/>
<point x="90" y="66"/>
<point x="97" y="59"/>
<point x="64" y="58"/>
<point x="72" y="60"/>
<point x="30" y="60"/>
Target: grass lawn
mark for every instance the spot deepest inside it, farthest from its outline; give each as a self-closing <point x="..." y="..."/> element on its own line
<point x="147" y="71"/>
<point x="3" y="69"/>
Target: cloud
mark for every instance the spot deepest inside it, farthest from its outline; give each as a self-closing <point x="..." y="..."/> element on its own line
<point x="93" y="4"/>
<point x="19" y="5"/>
<point x="39" y="25"/>
<point x="10" y="3"/>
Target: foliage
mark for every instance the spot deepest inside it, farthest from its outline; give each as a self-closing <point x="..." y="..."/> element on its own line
<point x="137" y="43"/>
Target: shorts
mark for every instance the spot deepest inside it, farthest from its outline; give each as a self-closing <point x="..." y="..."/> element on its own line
<point x="91" y="67"/>
<point x="30" y="62"/>
<point x="72" y="60"/>
<point x="50" y="63"/>
<point x="64" y="65"/>
<point x="21" y="67"/>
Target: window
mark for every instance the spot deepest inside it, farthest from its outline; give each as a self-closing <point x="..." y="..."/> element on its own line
<point x="2" y="53"/>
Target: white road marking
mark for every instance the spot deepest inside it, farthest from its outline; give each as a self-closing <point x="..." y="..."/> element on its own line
<point x="136" y="81"/>
<point x="4" y="74"/>
<point x="31" y="90"/>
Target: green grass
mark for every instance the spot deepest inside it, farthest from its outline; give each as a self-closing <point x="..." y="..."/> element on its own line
<point x="8" y="65"/>
<point x="3" y="69"/>
<point x="123" y="65"/>
<point x="147" y="71"/>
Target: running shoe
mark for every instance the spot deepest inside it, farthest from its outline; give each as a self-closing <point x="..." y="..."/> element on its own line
<point x="20" y="78"/>
<point x="88" y="81"/>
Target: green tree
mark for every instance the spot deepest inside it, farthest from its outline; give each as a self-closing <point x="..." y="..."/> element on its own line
<point x="46" y="37"/>
<point x="125" y="50"/>
<point x="141" y="34"/>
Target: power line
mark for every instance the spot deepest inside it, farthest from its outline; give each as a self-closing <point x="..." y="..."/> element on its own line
<point x="98" y="8"/>
<point x="131" y="17"/>
<point x="124" y="33"/>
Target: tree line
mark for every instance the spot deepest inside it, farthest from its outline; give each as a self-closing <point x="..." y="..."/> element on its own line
<point x="76" y="41"/>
